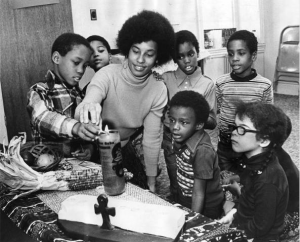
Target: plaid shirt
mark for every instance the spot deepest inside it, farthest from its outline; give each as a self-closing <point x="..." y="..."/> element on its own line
<point x="51" y="106"/>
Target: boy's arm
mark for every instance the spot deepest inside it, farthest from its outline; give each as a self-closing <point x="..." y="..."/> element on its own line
<point x="268" y="95"/>
<point x="210" y="96"/>
<point x="198" y="195"/>
<point x="47" y="121"/>
<point x="204" y="159"/>
<point x="218" y="97"/>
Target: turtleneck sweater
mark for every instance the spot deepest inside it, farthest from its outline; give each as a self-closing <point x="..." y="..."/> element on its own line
<point x="129" y="102"/>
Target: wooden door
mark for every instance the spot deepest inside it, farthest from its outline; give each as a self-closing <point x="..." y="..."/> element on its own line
<point x="26" y="37"/>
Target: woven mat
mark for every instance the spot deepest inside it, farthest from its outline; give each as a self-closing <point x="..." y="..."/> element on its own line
<point x="53" y="199"/>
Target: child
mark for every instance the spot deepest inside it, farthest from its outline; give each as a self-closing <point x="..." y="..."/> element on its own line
<point x="102" y="53"/>
<point x="51" y="103"/>
<point x="132" y="98"/>
<point x="292" y="174"/>
<point x="263" y="199"/>
<point x="188" y="76"/>
<point x="198" y="172"/>
<point x="242" y="84"/>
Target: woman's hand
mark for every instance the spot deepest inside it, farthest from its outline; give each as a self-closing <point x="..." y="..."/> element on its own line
<point x="89" y="112"/>
<point x="87" y="132"/>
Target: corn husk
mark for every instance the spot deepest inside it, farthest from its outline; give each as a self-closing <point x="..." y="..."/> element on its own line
<point x="22" y="179"/>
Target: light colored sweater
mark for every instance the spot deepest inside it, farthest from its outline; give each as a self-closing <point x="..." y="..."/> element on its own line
<point x="128" y="103"/>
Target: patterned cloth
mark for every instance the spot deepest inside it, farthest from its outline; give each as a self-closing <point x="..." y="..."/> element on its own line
<point x="34" y="216"/>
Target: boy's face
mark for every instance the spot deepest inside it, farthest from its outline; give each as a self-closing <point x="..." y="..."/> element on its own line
<point x="187" y="58"/>
<point x="240" y="58"/>
<point x="100" y="56"/>
<point x="182" y="123"/>
<point x="71" y="67"/>
<point x="142" y="57"/>
<point x="247" y="143"/>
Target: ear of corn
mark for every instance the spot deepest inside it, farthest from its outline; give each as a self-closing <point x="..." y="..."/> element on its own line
<point x="21" y="178"/>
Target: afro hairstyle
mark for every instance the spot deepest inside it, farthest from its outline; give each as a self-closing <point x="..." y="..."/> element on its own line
<point x="248" y="37"/>
<point x="193" y="100"/>
<point x="185" y="36"/>
<point x="101" y="39"/>
<point x="66" y="42"/>
<point x="269" y="120"/>
<point x="146" y="26"/>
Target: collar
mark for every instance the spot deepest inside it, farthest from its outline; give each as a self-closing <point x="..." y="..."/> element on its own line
<point x="192" y="143"/>
<point x="244" y="79"/>
<point x="51" y="79"/>
<point x="132" y="79"/>
<point x="257" y="163"/>
<point x="193" y="78"/>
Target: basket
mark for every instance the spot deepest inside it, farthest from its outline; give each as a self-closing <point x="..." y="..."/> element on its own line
<point x="36" y="150"/>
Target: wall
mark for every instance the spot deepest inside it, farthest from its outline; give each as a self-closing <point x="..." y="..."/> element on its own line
<point x="111" y="14"/>
<point x="277" y="15"/>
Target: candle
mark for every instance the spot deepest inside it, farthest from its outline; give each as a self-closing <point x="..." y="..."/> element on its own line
<point x="111" y="162"/>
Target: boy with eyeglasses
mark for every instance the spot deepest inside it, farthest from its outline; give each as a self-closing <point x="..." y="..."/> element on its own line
<point x="242" y="84"/>
<point x="259" y="130"/>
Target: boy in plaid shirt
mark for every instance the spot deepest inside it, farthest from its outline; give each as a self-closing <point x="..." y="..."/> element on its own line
<point x="51" y="103"/>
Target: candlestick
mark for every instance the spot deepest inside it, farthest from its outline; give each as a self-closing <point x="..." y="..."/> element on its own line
<point x="111" y="162"/>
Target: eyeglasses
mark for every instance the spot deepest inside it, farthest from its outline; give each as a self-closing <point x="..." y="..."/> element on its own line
<point x="241" y="130"/>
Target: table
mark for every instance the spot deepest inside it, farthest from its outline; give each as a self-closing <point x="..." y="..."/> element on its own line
<point x="36" y="215"/>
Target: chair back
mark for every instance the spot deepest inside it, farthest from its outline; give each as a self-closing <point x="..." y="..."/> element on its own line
<point x="288" y="54"/>
<point x="290" y="34"/>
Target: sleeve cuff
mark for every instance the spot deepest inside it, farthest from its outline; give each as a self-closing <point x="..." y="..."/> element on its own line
<point x="70" y="126"/>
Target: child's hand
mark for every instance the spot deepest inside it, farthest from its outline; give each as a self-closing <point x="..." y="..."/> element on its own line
<point x="85" y="153"/>
<point x="228" y="218"/>
<point x="87" y="131"/>
<point x="234" y="188"/>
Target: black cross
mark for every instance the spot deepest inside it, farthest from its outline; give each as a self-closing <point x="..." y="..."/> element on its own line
<point x="105" y="211"/>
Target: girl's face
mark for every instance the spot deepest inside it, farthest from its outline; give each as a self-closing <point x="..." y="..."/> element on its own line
<point x="100" y="56"/>
<point x="247" y="143"/>
<point x="142" y="57"/>
<point x="187" y="58"/>
<point x="240" y="58"/>
<point x="182" y="123"/>
<point x="71" y="67"/>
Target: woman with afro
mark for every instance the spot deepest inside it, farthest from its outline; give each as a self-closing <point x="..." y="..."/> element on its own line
<point x="128" y="96"/>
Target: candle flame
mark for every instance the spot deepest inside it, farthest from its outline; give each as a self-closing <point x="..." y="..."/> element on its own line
<point x="105" y="131"/>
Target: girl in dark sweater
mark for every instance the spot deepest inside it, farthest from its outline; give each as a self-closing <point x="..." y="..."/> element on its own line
<point x="263" y="197"/>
